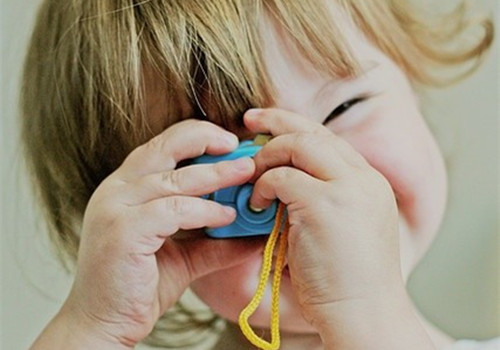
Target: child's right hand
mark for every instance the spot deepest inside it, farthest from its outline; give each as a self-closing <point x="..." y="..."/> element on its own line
<point x="130" y="270"/>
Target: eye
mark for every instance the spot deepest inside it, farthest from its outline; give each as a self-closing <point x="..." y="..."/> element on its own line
<point x="343" y="108"/>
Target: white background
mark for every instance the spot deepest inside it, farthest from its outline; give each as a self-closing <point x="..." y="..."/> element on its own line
<point x="456" y="286"/>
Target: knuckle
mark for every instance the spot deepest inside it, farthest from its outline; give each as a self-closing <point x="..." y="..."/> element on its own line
<point x="207" y="131"/>
<point x="375" y="185"/>
<point x="280" y="175"/>
<point x="132" y="155"/>
<point x="385" y="188"/>
<point x="215" y="208"/>
<point x="304" y="141"/>
<point x="379" y="181"/>
<point x="184" y="124"/>
<point x="156" y="143"/>
<point x="171" y="181"/>
<point x="330" y="138"/>
<point x="205" y="127"/>
<point x="320" y="129"/>
<point x="104" y="210"/>
<point x="157" y="140"/>
<point x="270" y="111"/>
<point x="217" y="174"/>
<point x="188" y="122"/>
<point x="219" y="169"/>
<point x="206" y="124"/>
<point x="118" y="224"/>
<point x="106" y="219"/>
<point x="299" y="140"/>
<point x="178" y="205"/>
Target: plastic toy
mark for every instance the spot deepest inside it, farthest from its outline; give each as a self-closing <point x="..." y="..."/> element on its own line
<point x="249" y="222"/>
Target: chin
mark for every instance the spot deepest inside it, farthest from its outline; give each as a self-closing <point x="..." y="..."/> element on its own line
<point x="415" y="239"/>
<point x="228" y="291"/>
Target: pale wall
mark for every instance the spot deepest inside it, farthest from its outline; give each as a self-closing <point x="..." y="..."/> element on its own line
<point x="456" y="285"/>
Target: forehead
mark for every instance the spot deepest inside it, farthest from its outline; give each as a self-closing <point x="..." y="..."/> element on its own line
<point x="293" y="75"/>
<point x="250" y="58"/>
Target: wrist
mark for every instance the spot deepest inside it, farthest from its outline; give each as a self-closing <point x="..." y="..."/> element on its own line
<point x="70" y="330"/>
<point x="386" y="321"/>
<point x="91" y="330"/>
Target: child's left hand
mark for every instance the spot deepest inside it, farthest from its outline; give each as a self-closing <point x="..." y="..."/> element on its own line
<point x="343" y="247"/>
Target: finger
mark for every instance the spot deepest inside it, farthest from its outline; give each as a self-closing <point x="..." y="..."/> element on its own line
<point x="182" y="262"/>
<point x="317" y="155"/>
<point x="209" y="255"/>
<point x="153" y="222"/>
<point x="184" y="140"/>
<point x="193" y="180"/>
<point x="287" y="184"/>
<point x="276" y="122"/>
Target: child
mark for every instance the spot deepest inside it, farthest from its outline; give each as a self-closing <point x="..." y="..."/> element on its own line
<point x="119" y="96"/>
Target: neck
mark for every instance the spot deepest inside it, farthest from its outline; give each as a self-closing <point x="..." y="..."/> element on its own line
<point x="232" y="336"/>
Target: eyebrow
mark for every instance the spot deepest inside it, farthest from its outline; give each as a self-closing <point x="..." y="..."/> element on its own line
<point x="366" y="67"/>
<point x="332" y="83"/>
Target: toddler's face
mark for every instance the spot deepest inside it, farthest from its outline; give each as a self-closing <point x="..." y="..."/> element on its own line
<point x="383" y="122"/>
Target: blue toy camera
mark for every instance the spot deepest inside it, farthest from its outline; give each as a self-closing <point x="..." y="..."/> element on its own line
<point x="248" y="222"/>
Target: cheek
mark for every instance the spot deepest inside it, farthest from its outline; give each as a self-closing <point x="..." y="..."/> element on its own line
<point x="398" y="144"/>
<point x="228" y="292"/>
<point x="224" y="292"/>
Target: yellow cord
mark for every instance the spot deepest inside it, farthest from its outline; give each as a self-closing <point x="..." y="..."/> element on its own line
<point x="264" y="276"/>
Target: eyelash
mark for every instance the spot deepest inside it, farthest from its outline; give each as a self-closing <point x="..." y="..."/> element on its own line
<point x="341" y="109"/>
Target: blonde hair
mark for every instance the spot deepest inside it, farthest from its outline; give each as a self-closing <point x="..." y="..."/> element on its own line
<point x="96" y="69"/>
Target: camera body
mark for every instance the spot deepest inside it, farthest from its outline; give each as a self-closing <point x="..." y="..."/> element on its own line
<point x="248" y="222"/>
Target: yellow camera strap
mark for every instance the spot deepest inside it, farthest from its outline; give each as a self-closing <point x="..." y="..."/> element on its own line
<point x="264" y="276"/>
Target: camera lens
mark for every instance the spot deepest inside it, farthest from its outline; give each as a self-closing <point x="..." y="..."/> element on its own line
<point x="251" y="215"/>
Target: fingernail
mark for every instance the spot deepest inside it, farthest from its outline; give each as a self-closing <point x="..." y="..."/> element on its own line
<point x="231" y="139"/>
<point x="242" y="163"/>
<point x="229" y="210"/>
<point x="253" y="112"/>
